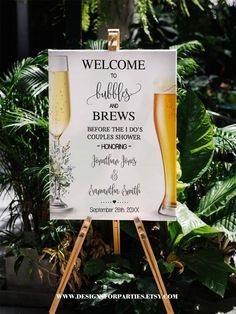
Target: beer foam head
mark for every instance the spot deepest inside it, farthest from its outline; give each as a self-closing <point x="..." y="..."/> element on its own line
<point x="57" y="63"/>
<point x="165" y="84"/>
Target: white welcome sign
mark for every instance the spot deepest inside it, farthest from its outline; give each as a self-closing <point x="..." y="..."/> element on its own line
<point x="112" y="123"/>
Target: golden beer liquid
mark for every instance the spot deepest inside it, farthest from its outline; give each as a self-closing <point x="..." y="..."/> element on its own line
<point x="59" y="102"/>
<point x="165" y="125"/>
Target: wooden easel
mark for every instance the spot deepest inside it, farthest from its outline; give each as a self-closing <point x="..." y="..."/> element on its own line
<point x="114" y="45"/>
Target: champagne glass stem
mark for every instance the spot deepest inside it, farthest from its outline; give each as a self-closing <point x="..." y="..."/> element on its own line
<point x="56" y="144"/>
<point x="56" y="147"/>
<point x="57" y="203"/>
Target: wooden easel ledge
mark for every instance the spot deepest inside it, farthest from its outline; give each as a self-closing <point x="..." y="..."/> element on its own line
<point x="113" y="39"/>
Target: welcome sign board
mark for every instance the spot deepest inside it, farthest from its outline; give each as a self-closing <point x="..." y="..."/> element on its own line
<point x="112" y="124"/>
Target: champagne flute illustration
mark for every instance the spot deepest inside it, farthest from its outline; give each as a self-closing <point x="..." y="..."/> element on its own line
<point x="165" y="125"/>
<point x="59" y="117"/>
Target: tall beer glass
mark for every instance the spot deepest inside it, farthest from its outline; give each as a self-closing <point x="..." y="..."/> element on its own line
<point x="59" y="117"/>
<point x="165" y="125"/>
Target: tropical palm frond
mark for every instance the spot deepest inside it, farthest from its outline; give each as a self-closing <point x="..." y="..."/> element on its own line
<point x="11" y="76"/>
<point x="144" y="8"/>
<point x="23" y="138"/>
<point x="27" y="76"/>
<point x="24" y="118"/>
<point x="85" y="16"/>
<point x="151" y="9"/>
<point x="185" y="67"/>
<point x="225" y="139"/>
<point x="100" y="44"/>
<point x="198" y="4"/>
<point x="225" y="220"/>
<point x="171" y="3"/>
<point x="5" y="182"/>
<point x="42" y="58"/>
<point x="46" y="190"/>
<point x="184" y="6"/>
<point x="34" y="80"/>
<point x="14" y="215"/>
<point x="214" y="114"/>
<point x="91" y="8"/>
<point x="31" y="171"/>
<point x="230" y="128"/>
<point x="187" y="48"/>
<point x="43" y="174"/>
<point x="181" y="91"/>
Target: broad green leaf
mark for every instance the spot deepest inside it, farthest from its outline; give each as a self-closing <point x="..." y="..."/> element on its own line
<point x="146" y="284"/>
<point x="174" y="229"/>
<point x="211" y="269"/>
<point x="206" y="231"/>
<point x="190" y="226"/>
<point x="195" y="134"/>
<point x="181" y="186"/>
<point x="116" y="261"/>
<point x="95" y="302"/>
<point x="203" y="232"/>
<point x="226" y="221"/>
<point x="231" y="235"/>
<point x="165" y="267"/>
<point x="217" y="197"/>
<point x="187" y="219"/>
<point x="110" y="276"/>
<point x="94" y="267"/>
<point x="178" y="239"/>
<point x="18" y="263"/>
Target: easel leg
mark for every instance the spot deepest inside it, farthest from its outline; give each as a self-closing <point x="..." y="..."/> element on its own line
<point x="70" y="265"/>
<point x="153" y="264"/>
<point x="116" y="236"/>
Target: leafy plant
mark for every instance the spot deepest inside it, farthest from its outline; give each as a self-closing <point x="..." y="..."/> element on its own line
<point x="195" y="134"/>
<point x="100" y="44"/>
<point x="195" y="239"/>
<point x="198" y="255"/>
<point x="94" y="12"/>
<point x="23" y="140"/>
<point x="184" y="7"/>
<point x="198" y="247"/>
<point x="62" y="241"/>
<point x="152" y="29"/>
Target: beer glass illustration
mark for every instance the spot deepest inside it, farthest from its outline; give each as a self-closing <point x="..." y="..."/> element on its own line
<point x="59" y="117"/>
<point x="165" y="126"/>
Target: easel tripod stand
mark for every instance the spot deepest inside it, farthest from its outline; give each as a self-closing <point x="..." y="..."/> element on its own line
<point x="113" y="45"/>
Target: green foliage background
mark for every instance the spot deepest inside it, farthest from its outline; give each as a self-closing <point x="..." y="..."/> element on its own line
<point x="195" y="252"/>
